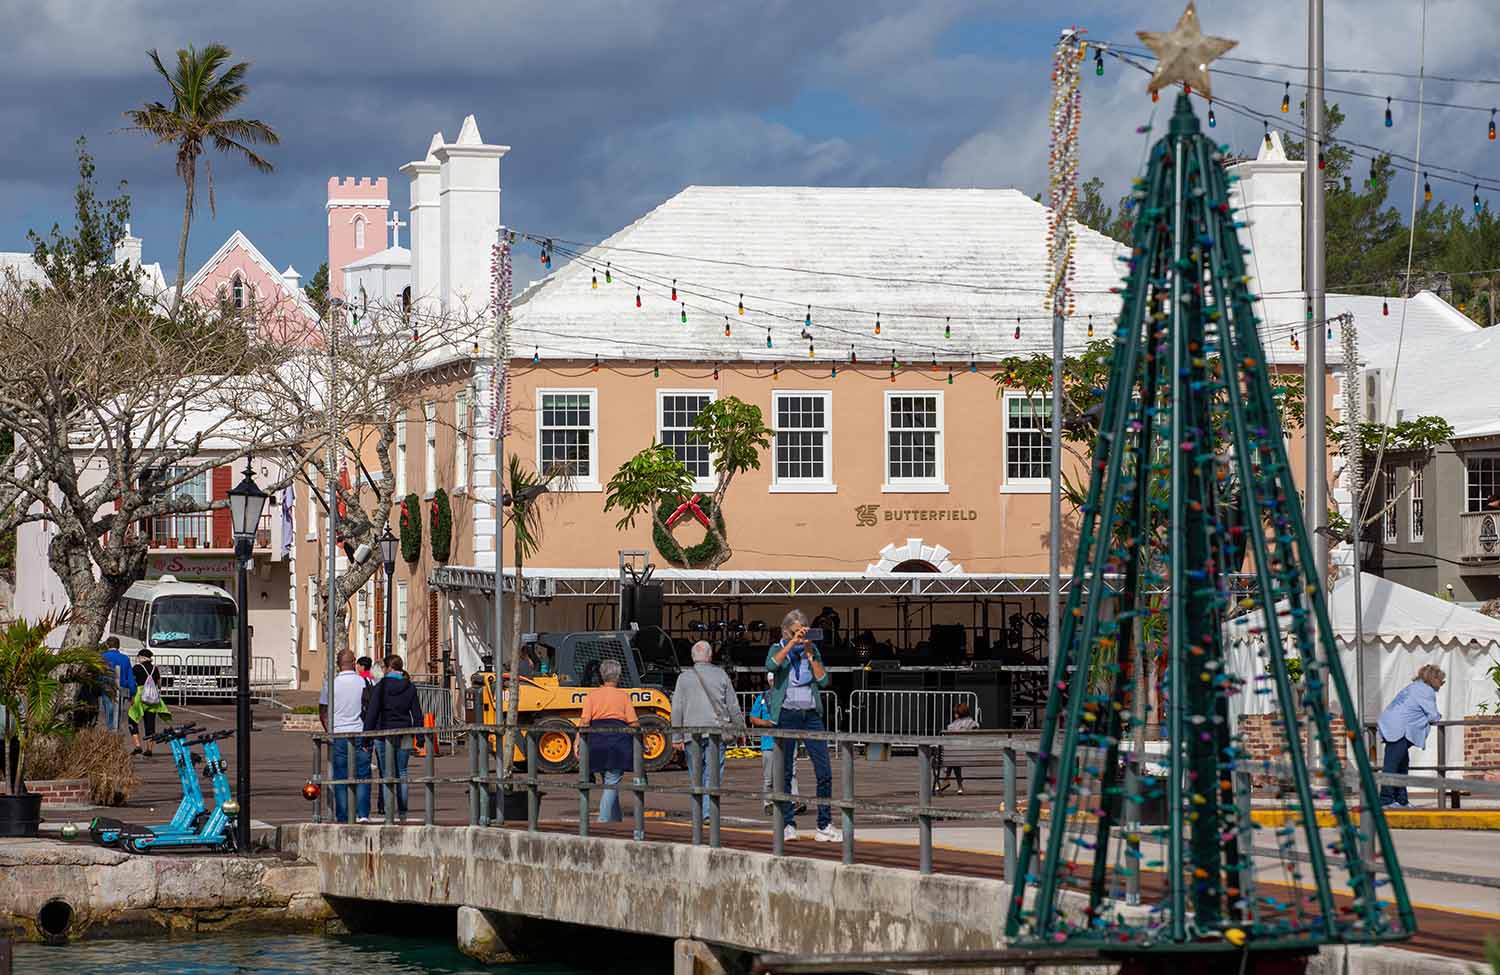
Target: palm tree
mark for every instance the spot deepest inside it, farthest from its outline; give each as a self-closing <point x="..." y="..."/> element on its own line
<point x="524" y="491"/>
<point x="205" y="89"/>
<point x="34" y="682"/>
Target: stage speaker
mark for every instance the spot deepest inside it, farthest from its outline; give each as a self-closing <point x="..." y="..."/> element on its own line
<point x="642" y="605"/>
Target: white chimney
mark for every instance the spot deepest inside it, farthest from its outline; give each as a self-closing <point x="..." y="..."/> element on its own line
<point x="292" y="279"/>
<point x="426" y="228"/>
<point x="128" y="249"/>
<point x="469" y="211"/>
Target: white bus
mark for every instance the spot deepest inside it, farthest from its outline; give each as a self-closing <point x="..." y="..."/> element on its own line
<point x="189" y="628"/>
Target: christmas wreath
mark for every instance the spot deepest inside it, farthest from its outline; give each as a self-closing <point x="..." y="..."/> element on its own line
<point x="697" y="508"/>
<point x="411" y="528"/>
<point x="442" y="526"/>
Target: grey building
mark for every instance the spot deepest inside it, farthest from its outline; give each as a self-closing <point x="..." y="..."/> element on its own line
<point x="1444" y="528"/>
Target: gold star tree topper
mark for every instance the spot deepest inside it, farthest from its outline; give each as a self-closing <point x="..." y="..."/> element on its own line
<point x="1183" y="55"/>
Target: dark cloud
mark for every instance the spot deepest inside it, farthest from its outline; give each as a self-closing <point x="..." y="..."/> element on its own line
<point x="612" y="107"/>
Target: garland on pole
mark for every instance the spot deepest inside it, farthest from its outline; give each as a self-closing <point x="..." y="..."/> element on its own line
<point x="442" y="526"/>
<point x="411" y="528"/>
<point x="699" y="509"/>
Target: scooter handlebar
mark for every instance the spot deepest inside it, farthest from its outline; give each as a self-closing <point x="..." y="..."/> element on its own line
<point x="180" y="731"/>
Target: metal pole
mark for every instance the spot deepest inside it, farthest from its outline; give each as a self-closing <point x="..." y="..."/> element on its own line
<point x="1054" y="557"/>
<point x="242" y="696"/>
<point x="1315" y="369"/>
<point x="501" y="378"/>
<point x="331" y="474"/>
<point x="390" y="607"/>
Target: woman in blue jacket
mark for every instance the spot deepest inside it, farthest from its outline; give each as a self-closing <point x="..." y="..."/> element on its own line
<point x="1403" y="726"/>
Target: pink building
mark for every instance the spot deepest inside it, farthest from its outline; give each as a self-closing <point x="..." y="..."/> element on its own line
<point x="357" y="212"/>
<point x="239" y="275"/>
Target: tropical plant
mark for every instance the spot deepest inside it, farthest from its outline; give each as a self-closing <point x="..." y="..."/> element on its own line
<point x="35" y="686"/>
<point x="735" y="434"/>
<point x="205" y="89"/>
<point x="527" y="495"/>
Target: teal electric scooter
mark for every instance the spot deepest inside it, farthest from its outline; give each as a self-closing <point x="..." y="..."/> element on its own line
<point x="190" y="811"/>
<point x="216" y="832"/>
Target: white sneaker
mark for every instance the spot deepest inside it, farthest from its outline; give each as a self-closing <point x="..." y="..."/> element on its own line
<point x="789" y="834"/>
<point x="829" y="834"/>
<point x="363" y="820"/>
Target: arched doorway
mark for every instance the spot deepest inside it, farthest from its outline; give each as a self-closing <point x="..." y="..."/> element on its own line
<point x="914" y="555"/>
<point x="915" y="565"/>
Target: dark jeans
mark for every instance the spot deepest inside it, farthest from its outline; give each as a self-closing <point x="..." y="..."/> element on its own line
<point x="402" y="754"/>
<point x="805" y="720"/>
<point x="1397" y="761"/>
<point x="341" y="771"/>
<point x="149" y="720"/>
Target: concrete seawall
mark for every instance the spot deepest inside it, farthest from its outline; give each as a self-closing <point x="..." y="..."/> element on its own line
<point x="52" y="890"/>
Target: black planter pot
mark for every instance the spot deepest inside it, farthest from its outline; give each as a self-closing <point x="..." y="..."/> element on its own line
<point x="20" y="815"/>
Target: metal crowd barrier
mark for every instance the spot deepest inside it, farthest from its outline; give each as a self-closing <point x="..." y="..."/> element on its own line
<point x="212" y="677"/>
<point x="896" y="712"/>
<point x="828" y="701"/>
<point x="437" y="700"/>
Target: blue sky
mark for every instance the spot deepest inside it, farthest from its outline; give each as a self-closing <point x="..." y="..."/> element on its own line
<point x="610" y="108"/>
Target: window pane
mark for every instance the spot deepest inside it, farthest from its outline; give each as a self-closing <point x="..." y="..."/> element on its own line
<point x="1484" y="484"/>
<point x="566" y="434"/>
<point x="678" y="412"/>
<point x="1027" y="438"/>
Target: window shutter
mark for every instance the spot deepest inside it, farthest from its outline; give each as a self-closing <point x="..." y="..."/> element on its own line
<point x="222" y="523"/>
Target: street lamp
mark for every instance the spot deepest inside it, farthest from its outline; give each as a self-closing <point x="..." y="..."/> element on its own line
<point x="388" y="556"/>
<point x="246" y="503"/>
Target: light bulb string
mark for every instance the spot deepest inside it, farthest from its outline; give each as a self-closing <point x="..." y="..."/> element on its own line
<point x="1398" y="161"/>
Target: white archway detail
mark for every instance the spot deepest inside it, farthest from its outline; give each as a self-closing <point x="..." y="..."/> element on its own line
<point x="914" y="548"/>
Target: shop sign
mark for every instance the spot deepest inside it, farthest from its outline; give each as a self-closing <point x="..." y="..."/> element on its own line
<point x="870" y="515"/>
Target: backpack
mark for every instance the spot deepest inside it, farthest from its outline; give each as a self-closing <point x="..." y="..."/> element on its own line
<point x="366" y="696"/>
<point x="150" y="693"/>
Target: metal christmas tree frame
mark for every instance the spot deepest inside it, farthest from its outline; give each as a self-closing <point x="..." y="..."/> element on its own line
<point x="1189" y="480"/>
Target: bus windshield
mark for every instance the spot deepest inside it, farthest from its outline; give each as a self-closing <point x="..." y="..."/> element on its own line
<point x="192" y="621"/>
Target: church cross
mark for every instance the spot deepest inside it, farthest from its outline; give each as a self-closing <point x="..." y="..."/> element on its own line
<point x="395" y="224"/>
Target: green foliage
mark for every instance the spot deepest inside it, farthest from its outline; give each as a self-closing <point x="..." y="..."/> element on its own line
<point x="645" y="481"/>
<point x="1419" y="435"/>
<point x="1493" y="673"/>
<point x="442" y="526"/>
<point x="34" y="680"/>
<point x="735" y="434"/>
<point x="693" y="556"/>
<point x="1093" y="212"/>
<point x="411" y="528"/>
<point x="316" y="290"/>
<point x="84" y="260"/>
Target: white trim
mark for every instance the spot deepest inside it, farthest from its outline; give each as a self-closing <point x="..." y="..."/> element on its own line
<point x="345" y="201"/>
<point x="710" y="482"/>
<point x="581" y="485"/>
<point x="463" y="425"/>
<point x="400" y="461"/>
<point x="805" y="485"/>
<point x="1021" y="485"/>
<point x="930" y="485"/>
<point x="1417" y="491"/>
<point x="429" y="447"/>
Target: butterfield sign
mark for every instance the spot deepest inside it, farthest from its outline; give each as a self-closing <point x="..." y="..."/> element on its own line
<point x="870" y="515"/>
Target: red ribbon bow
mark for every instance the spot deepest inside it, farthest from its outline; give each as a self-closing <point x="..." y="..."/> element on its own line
<point x="690" y="506"/>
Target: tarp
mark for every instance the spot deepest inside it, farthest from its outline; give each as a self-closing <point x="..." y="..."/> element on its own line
<point x="1403" y="630"/>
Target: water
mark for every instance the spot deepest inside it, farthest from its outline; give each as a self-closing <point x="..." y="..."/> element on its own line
<point x="272" y="955"/>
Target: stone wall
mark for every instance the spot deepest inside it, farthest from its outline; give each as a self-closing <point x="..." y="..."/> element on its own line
<point x="57" y="792"/>
<point x="1482" y="747"/>
<point x="107" y="891"/>
<point x="1264" y="737"/>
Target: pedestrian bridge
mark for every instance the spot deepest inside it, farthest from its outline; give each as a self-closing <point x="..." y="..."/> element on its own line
<point x="738" y="898"/>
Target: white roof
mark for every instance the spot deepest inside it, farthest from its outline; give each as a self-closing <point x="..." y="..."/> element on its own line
<point x="1393" y="613"/>
<point x="1428" y="319"/>
<point x="977" y="257"/>
<point x="1449" y="376"/>
<point x="390" y="257"/>
<point x="24" y="267"/>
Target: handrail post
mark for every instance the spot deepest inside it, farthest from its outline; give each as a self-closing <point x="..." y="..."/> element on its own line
<point x="585" y="780"/>
<point x="846" y="756"/>
<point x="353" y="790"/>
<point x="317" y="778"/>
<point x="1009" y="829"/>
<point x="478" y="811"/>
<point x="716" y="749"/>
<point x="924" y="811"/>
<point x="638" y="770"/>
<point x="533" y="798"/>
<point x="429" y="788"/>
<point x="1442" y="768"/>
<point x="388" y="778"/>
<point x="695" y="791"/>
<point x="778" y="815"/>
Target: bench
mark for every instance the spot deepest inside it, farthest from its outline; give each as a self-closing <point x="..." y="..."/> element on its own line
<point x="974" y="749"/>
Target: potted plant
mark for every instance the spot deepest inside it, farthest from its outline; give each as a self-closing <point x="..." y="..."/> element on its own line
<point x="35" y="683"/>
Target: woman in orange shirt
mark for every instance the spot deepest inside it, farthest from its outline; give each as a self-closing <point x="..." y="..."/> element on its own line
<point x="606" y="708"/>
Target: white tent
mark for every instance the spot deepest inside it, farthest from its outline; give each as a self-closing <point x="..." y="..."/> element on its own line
<point x="1403" y="630"/>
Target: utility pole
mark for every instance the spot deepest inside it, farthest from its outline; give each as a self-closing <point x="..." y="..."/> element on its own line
<point x="335" y="309"/>
<point x="501" y="400"/>
<point x="1315" y="283"/>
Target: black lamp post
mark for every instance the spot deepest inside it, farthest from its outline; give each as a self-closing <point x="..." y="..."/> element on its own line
<point x="246" y="503"/>
<point x="388" y="556"/>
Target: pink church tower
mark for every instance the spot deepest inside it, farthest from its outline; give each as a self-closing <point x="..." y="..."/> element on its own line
<point x="357" y="213"/>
